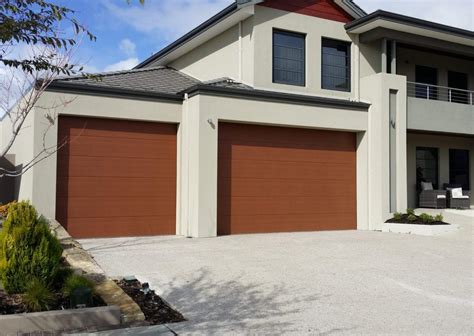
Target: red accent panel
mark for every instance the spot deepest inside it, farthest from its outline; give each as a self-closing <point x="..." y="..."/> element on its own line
<point x="325" y="9"/>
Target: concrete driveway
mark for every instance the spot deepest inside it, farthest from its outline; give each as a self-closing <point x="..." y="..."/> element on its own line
<point x="317" y="283"/>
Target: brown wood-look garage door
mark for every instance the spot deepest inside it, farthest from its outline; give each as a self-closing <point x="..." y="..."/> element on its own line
<point x="116" y="178"/>
<point x="275" y="179"/>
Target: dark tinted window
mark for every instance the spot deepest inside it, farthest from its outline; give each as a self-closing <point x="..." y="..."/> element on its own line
<point x="427" y="166"/>
<point x="426" y="79"/>
<point x="336" y="65"/>
<point x="288" y="58"/>
<point x="458" y="80"/>
<point x="459" y="167"/>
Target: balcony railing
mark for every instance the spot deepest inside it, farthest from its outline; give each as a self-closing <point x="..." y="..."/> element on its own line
<point x="442" y="93"/>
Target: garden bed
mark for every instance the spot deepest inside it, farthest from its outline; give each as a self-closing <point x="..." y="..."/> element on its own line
<point x="412" y="219"/>
<point x="13" y="303"/>
<point x="424" y="224"/>
<point x="156" y="310"/>
<point x="418" y="221"/>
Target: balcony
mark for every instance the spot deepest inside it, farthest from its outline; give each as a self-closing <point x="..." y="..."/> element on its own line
<point x="440" y="109"/>
<point x="440" y="93"/>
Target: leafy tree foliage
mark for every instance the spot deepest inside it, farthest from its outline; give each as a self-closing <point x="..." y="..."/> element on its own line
<point x="35" y="22"/>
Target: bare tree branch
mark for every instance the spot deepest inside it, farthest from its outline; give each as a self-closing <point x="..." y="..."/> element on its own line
<point x="30" y="87"/>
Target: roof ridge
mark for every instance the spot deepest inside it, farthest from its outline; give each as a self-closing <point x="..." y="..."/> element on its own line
<point x="113" y="73"/>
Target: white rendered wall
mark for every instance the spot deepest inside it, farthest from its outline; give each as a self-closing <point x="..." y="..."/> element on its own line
<point x="376" y="89"/>
<point x="39" y="185"/>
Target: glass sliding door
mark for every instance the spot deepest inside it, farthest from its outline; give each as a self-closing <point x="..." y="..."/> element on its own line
<point x="459" y="167"/>
<point x="427" y="167"/>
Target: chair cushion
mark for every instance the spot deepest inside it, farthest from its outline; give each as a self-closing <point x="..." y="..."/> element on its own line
<point x="426" y="186"/>
<point x="457" y="193"/>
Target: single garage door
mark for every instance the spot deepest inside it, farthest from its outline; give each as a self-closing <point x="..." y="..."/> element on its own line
<point x="276" y="179"/>
<point x="116" y="178"/>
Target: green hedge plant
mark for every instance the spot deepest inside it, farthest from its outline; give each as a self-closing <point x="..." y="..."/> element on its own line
<point x="37" y="297"/>
<point x="412" y="218"/>
<point x="75" y="281"/>
<point x="426" y="218"/>
<point x="397" y="216"/>
<point x="28" y="249"/>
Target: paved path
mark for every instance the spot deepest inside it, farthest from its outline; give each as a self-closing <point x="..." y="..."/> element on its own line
<point x="324" y="283"/>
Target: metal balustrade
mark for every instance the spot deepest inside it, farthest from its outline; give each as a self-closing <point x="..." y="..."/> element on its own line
<point x="441" y="93"/>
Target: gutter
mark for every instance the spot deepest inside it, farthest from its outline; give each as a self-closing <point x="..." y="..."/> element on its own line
<point x="275" y="96"/>
<point x="110" y="91"/>
<point x="208" y="89"/>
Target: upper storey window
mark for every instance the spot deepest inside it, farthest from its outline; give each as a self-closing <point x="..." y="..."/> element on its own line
<point x="336" y="65"/>
<point x="288" y="58"/>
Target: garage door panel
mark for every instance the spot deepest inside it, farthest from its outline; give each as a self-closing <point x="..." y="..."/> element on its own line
<point x="276" y="179"/>
<point x="259" y="153"/>
<point x="278" y="136"/>
<point x="283" y="205"/>
<point x="117" y="167"/>
<point x="285" y="170"/>
<point x="239" y="187"/>
<point x="120" y="226"/>
<point x="113" y="187"/>
<point x="116" y="178"/>
<point x="120" y="148"/>
<point x="283" y="223"/>
<point x="87" y="207"/>
<point x="86" y="127"/>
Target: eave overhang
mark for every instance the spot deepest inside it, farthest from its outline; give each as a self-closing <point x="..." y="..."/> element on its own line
<point x="408" y="25"/>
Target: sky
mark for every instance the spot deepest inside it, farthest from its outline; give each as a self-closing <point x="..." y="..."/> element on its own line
<point x="128" y="32"/>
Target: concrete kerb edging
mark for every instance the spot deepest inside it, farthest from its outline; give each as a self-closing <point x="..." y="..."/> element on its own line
<point x="59" y="321"/>
<point x="81" y="262"/>
<point x="416" y="229"/>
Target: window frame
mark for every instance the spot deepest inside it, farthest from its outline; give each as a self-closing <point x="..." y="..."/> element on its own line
<point x="348" y="67"/>
<point x="295" y="34"/>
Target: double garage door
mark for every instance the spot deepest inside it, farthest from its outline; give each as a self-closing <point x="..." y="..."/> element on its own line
<point x="118" y="178"/>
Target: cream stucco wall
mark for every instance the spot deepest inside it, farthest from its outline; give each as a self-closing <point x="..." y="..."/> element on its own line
<point x="22" y="150"/>
<point x="267" y="19"/>
<point x="218" y="57"/>
<point x="443" y="143"/>
<point x="244" y="53"/>
<point x="199" y="193"/>
<point x="376" y="89"/>
<point x="39" y="184"/>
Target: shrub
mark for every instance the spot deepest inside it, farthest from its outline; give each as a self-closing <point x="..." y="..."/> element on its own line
<point x="28" y="249"/>
<point x="4" y="209"/>
<point x="61" y="276"/>
<point x="75" y="281"/>
<point x="37" y="296"/>
<point x="397" y="216"/>
<point x="439" y="218"/>
<point x="410" y="212"/>
<point x="412" y="218"/>
<point x="425" y="218"/>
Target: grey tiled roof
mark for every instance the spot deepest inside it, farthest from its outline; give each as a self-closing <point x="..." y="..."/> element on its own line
<point x="156" y="80"/>
<point x="227" y="83"/>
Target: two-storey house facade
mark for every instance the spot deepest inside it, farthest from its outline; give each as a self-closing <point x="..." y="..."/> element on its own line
<point x="272" y="116"/>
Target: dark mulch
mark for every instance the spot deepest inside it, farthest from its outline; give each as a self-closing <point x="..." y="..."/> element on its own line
<point x="404" y="220"/>
<point x="12" y="303"/>
<point x="156" y="310"/>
